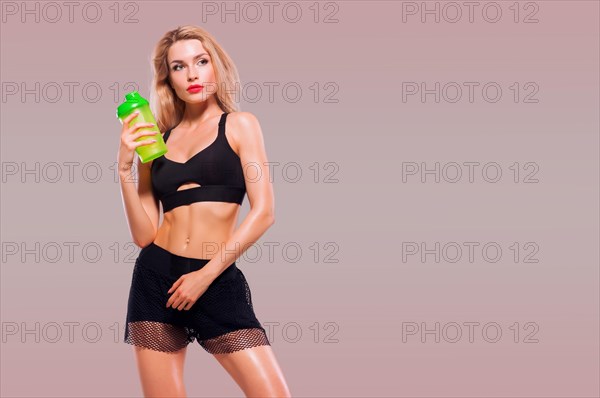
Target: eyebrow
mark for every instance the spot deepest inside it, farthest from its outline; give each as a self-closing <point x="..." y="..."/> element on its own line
<point x="197" y="56"/>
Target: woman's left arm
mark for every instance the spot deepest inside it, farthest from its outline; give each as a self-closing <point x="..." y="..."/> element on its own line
<point x="259" y="189"/>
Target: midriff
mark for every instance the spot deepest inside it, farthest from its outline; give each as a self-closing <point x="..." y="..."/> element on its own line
<point x="198" y="230"/>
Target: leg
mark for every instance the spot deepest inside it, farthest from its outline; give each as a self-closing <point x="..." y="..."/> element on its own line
<point x="161" y="373"/>
<point x="256" y="371"/>
<point x="160" y="353"/>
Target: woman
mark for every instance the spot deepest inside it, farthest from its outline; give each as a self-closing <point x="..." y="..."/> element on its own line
<point x="185" y="283"/>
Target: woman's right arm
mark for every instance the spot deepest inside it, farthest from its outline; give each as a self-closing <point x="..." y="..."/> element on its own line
<point x="141" y="207"/>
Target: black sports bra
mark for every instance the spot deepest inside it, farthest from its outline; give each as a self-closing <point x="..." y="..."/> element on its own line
<point x="217" y="168"/>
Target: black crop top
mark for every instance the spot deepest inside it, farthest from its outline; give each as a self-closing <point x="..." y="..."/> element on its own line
<point x="216" y="168"/>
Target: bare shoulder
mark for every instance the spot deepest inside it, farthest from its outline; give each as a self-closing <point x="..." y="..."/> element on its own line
<point x="244" y="121"/>
<point x="245" y="129"/>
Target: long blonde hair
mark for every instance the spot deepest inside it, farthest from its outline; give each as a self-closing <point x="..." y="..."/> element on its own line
<point x="167" y="107"/>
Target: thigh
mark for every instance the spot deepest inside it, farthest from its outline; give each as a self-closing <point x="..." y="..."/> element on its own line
<point x="256" y="371"/>
<point x="161" y="373"/>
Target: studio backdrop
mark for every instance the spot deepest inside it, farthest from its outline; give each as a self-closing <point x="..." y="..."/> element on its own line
<point x="435" y="171"/>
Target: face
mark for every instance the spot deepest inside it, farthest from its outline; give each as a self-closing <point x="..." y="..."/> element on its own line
<point x="190" y="64"/>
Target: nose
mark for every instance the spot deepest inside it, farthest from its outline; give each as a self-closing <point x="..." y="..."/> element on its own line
<point x="192" y="74"/>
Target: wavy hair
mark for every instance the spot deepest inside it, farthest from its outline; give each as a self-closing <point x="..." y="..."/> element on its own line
<point x="167" y="108"/>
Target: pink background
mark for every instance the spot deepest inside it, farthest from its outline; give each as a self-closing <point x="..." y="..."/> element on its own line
<point x="351" y="313"/>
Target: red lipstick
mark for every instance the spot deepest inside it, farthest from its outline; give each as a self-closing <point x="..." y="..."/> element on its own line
<point x="195" y="88"/>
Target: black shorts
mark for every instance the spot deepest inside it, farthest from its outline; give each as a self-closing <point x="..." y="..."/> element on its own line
<point x="222" y="320"/>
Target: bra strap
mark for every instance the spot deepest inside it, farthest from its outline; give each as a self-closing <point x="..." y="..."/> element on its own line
<point x="222" y="123"/>
<point x="167" y="134"/>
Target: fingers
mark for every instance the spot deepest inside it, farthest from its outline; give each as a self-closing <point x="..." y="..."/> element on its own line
<point x="134" y="129"/>
<point x="142" y="133"/>
<point x="137" y="132"/>
<point x="175" y="285"/>
<point x="145" y="142"/>
<point x="131" y="116"/>
<point x="179" y="303"/>
<point x="175" y="299"/>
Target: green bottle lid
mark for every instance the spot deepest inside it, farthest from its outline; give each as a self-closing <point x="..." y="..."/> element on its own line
<point x="133" y="100"/>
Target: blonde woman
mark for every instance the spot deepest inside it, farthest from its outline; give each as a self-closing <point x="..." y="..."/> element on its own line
<point x="185" y="285"/>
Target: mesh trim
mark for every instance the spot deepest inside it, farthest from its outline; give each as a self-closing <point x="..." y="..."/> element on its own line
<point x="156" y="336"/>
<point x="235" y="341"/>
<point x="164" y="337"/>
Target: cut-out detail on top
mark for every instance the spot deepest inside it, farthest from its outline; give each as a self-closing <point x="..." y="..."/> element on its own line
<point x="188" y="185"/>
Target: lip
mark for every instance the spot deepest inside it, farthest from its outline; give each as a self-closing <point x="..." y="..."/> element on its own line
<point x="194" y="88"/>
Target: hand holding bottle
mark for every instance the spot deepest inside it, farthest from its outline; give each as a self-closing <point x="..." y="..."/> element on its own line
<point x="129" y="135"/>
<point x="140" y="108"/>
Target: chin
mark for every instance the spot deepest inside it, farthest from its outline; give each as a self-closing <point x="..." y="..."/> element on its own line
<point x="194" y="98"/>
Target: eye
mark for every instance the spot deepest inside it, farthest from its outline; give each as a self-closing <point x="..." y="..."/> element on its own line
<point x="203" y="60"/>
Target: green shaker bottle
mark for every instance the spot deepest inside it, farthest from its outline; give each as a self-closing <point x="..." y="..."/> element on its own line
<point x="135" y="102"/>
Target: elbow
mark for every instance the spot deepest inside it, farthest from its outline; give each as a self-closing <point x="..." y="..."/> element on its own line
<point x="141" y="244"/>
<point x="268" y="218"/>
<point x="144" y="242"/>
<point x="271" y="219"/>
<point x="263" y="214"/>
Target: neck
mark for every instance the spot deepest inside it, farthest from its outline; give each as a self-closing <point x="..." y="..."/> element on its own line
<point x="196" y="114"/>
